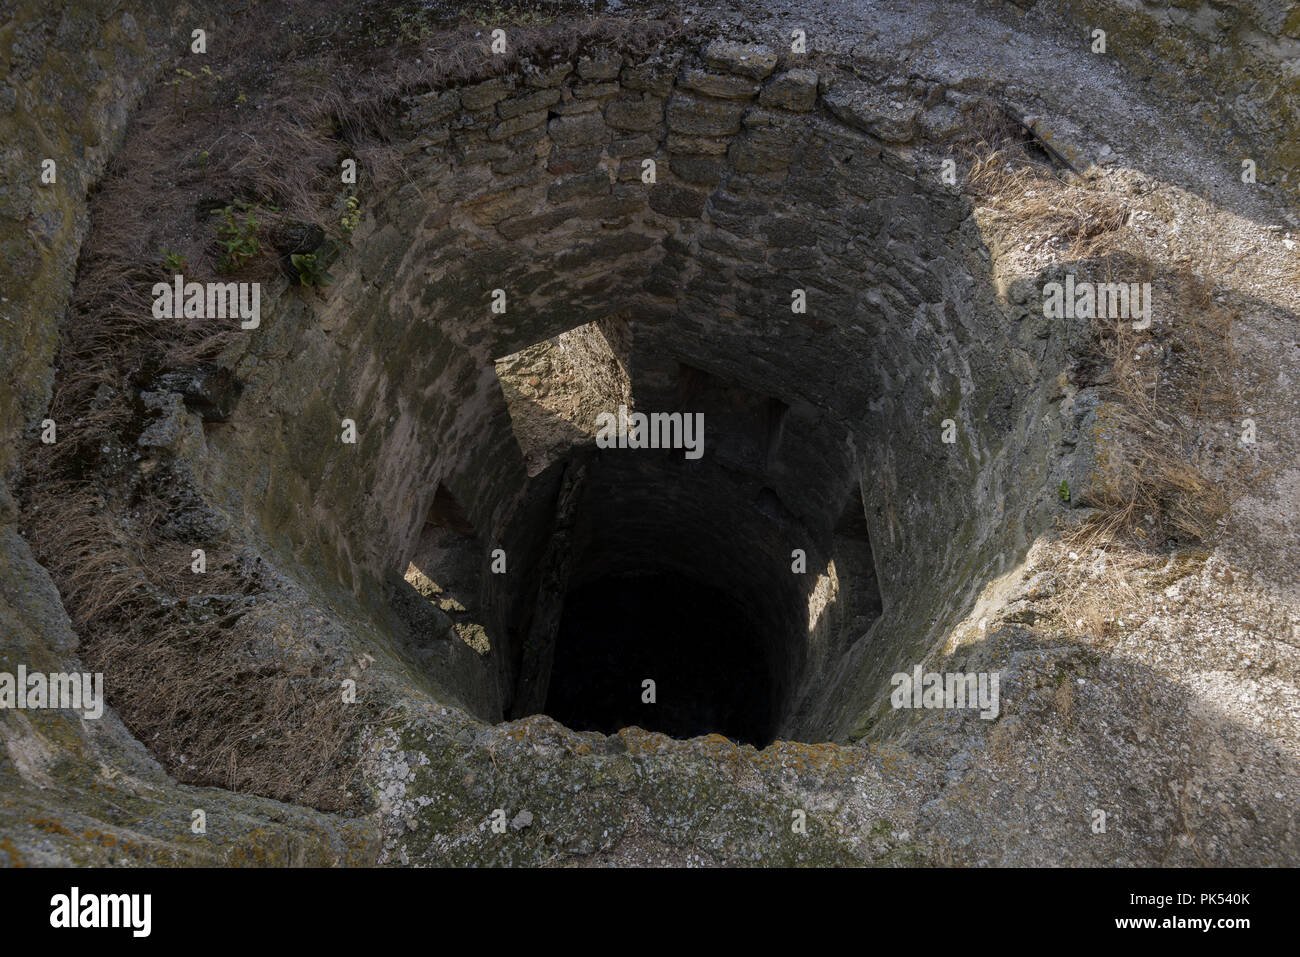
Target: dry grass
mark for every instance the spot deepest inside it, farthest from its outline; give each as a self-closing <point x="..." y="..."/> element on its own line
<point x="302" y="86"/>
<point x="182" y="671"/>
<point x="1036" y="200"/>
<point x="293" y="88"/>
<point x="1166" y="384"/>
<point x="1041" y="204"/>
<point x="1106" y="583"/>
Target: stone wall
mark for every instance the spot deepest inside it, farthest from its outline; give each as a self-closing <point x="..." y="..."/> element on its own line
<point x="768" y="178"/>
<point x="1244" y="57"/>
<point x="75" y="791"/>
<point x="72" y="76"/>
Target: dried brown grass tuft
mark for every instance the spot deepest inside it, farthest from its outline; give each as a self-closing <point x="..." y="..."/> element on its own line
<point x="1105" y="582"/>
<point x="1040" y="203"/>
<point x="1154" y="481"/>
<point x="1152" y="474"/>
<point x="176" y="653"/>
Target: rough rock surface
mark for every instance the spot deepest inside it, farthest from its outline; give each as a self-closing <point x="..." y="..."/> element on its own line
<point x="1178" y="721"/>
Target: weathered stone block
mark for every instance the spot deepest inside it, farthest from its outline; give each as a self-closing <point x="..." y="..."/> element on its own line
<point x="599" y="68"/>
<point x="640" y="145"/>
<point x="465" y="184"/>
<point x="520" y="226"/>
<point x="582" y="130"/>
<point x="579" y="186"/>
<point x="594" y="91"/>
<point x="469" y="154"/>
<point x="723" y="243"/>
<point x="788" y="231"/>
<point x="640" y="113"/>
<point x="431" y="109"/>
<point x="516" y="162"/>
<point x="506" y="206"/>
<point x="763" y="150"/>
<point x="793" y="90"/>
<point x="870" y="111"/>
<point x="761" y="116"/>
<point x="673" y="200"/>
<point x="608" y="247"/>
<point x="653" y="76"/>
<point x="623" y="200"/>
<point x="482" y="95"/>
<point x="942" y="122"/>
<point x="796" y="258"/>
<point x="547" y="77"/>
<point x="697" y="117"/>
<point x="430" y="140"/>
<point x="571" y="107"/>
<point x="737" y="216"/>
<point x="721" y="85"/>
<point x="573" y="160"/>
<point x="464" y="122"/>
<point x="755" y="61"/>
<point x="695" y="145"/>
<point x="538" y="100"/>
<point x="516" y="125"/>
<point x="528" y="138"/>
<point x="705" y="170"/>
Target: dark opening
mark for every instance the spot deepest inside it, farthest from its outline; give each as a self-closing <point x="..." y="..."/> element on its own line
<point x="744" y="426"/>
<point x="448" y="551"/>
<point x="859" y="587"/>
<point x="656" y="567"/>
<point x="692" y="641"/>
<point x="445" y="512"/>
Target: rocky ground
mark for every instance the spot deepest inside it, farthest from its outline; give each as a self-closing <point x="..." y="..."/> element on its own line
<point x="1148" y="693"/>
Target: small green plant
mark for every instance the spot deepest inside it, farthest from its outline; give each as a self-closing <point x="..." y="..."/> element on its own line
<point x="351" y="216"/>
<point x="498" y="13"/>
<point x="173" y="262"/>
<point x="205" y="82"/>
<point x="237" y="237"/>
<point x="1063" y="490"/>
<point x="203" y="161"/>
<point x="414" y="25"/>
<point x="311" y="272"/>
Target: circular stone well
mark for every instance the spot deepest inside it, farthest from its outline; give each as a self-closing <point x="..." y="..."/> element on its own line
<point x="371" y="577"/>
<point x="702" y="231"/>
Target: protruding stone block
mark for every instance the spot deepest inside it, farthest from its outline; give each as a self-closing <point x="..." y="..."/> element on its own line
<point x="582" y="130"/>
<point x="754" y="61"/>
<point x="547" y="77"/>
<point x="482" y="95"/>
<point x="632" y="112"/>
<point x="528" y="103"/>
<point x="866" y="110"/>
<point x="794" y="90"/>
<point x="700" y="117"/>
<point x="430" y="109"/>
<point x="653" y="76"/>
<point x="721" y="85"/>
